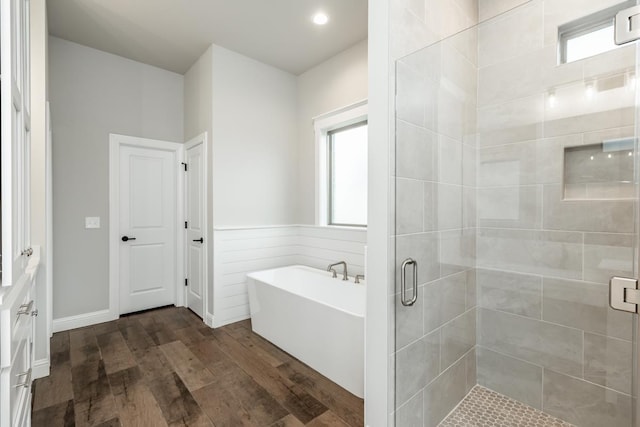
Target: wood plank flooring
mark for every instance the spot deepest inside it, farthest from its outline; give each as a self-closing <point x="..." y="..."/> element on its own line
<point x="166" y="368"/>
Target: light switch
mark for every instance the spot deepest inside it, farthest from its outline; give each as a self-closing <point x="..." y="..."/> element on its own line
<point x="92" y="222"/>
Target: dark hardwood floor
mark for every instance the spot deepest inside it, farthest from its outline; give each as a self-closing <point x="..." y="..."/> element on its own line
<point x="166" y="368"/>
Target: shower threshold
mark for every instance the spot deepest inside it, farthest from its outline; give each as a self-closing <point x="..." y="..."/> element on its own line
<point x="486" y="408"/>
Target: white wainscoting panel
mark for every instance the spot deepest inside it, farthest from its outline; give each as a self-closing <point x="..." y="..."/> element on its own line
<point x="321" y="246"/>
<point x="238" y="251"/>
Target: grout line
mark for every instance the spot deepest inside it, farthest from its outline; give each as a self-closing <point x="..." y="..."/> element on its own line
<point x="583" y="264"/>
<point x="533" y="319"/>
<point x="542" y="391"/>
<point x="545" y="368"/>
<point x="582" y="355"/>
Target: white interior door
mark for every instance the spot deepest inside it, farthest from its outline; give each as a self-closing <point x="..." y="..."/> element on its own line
<point x="147" y="228"/>
<point x="195" y="216"/>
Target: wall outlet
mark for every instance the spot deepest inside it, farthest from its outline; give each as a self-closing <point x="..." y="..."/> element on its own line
<point x="92" y="222"/>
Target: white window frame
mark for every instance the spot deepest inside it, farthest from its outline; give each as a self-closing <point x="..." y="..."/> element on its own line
<point x="322" y="125"/>
<point x="585" y="25"/>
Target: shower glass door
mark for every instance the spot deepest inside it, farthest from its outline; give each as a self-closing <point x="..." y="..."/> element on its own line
<point x="515" y="203"/>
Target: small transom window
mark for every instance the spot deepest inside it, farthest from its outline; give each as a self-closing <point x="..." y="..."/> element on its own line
<point x="590" y="35"/>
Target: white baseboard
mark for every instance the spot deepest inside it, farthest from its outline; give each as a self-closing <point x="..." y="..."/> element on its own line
<point x="208" y="320"/>
<point x="40" y="368"/>
<point x="225" y="322"/>
<point x="85" y="319"/>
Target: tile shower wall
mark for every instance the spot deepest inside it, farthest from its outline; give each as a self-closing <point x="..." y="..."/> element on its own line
<point x="435" y="220"/>
<point x="512" y="276"/>
<point x="545" y="333"/>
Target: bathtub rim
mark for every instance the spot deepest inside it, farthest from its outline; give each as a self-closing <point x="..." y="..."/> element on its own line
<point x="306" y="267"/>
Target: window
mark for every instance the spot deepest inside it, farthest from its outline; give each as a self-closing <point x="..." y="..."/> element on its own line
<point x="348" y="175"/>
<point x="341" y="166"/>
<point x="590" y="35"/>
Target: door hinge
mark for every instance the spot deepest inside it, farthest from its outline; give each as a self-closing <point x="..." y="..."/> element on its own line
<point x="186" y="282"/>
<point x="185" y="166"/>
<point x="185" y="225"/>
<point x="627" y="25"/>
<point x="624" y="294"/>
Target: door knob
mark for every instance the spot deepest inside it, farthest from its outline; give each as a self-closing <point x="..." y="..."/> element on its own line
<point x="127" y="238"/>
<point x="201" y="240"/>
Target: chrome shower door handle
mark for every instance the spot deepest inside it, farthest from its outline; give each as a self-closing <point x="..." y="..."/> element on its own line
<point x="403" y="282"/>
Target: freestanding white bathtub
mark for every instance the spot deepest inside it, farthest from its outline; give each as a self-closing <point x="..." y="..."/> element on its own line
<point x="315" y="318"/>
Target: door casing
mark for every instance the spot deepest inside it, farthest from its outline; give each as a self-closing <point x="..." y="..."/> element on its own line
<point x="200" y="139"/>
<point x="115" y="143"/>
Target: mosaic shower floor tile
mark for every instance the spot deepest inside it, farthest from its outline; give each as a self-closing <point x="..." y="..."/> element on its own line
<point x="486" y="408"/>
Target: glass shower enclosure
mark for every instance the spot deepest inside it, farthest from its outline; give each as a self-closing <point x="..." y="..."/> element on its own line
<point x="516" y="201"/>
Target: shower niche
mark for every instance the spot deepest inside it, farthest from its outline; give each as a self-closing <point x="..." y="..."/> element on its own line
<point x="602" y="171"/>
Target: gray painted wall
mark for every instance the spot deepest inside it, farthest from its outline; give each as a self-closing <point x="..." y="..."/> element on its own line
<point x="93" y="94"/>
<point x="333" y="84"/>
<point x="254" y="142"/>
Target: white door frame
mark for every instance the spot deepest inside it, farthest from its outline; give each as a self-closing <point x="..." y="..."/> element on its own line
<point x="115" y="142"/>
<point x="200" y="139"/>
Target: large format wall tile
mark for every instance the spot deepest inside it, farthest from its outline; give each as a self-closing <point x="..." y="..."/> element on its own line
<point x="458" y="337"/>
<point x="488" y="9"/>
<point x="615" y="216"/>
<point x="448" y="17"/>
<point x="579" y="122"/>
<point x="584" y="404"/>
<point x="430" y="208"/>
<point x="410" y="33"/>
<point x="524" y="27"/>
<point x="512" y="377"/>
<point x="471" y="366"/>
<point x="584" y="306"/>
<point x="411" y="413"/>
<point x="443" y="300"/>
<point x="550" y="253"/>
<point x="546" y="344"/>
<point x="524" y="163"/>
<point x="416" y="150"/>
<point x="608" y="255"/>
<point x="615" y="61"/>
<point x="459" y="74"/>
<point x="528" y="74"/>
<point x="416" y="366"/>
<point x="469" y="203"/>
<point x="408" y="322"/>
<point x="455" y="117"/>
<point x="410" y="95"/>
<point x="466" y="43"/>
<point x="449" y="207"/>
<point x="514" y="121"/>
<point x="510" y="292"/>
<point x="472" y="289"/>
<point x="443" y="394"/>
<point x="457" y="251"/>
<point x="409" y="206"/>
<point x="597" y="137"/>
<point x="608" y="362"/>
<point x="469" y="154"/>
<point x="510" y="207"/>
<point x="449" y="160"/>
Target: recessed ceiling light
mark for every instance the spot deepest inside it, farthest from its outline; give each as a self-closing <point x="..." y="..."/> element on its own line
<point x="320" y="18"/>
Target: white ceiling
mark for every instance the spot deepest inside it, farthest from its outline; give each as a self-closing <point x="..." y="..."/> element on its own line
<point x="172" y="34"/>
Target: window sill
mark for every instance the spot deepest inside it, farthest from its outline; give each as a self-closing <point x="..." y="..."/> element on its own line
<point x="343" y="227"/>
